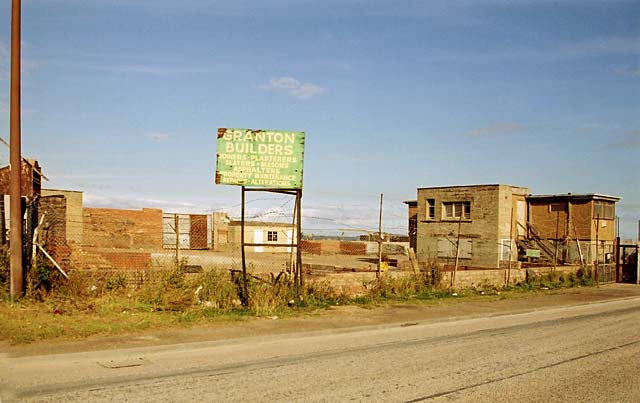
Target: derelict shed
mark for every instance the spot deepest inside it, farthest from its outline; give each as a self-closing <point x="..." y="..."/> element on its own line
<point x="31" y="178"/>
<point x="30" y="190"/>
<point x="579" y="222"/>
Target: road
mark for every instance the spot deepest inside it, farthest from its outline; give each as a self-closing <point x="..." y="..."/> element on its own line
<point x="577" y="353"/>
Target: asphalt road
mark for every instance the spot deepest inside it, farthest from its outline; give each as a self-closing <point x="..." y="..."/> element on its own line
<point x="580" y="353"/>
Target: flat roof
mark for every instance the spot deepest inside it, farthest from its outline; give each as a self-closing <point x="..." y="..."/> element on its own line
<point x="62" y="190"/>
<point x="585" y="196"/>
<point x="471" y="186"/>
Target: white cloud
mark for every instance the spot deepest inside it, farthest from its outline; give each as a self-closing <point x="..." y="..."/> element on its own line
<point x="158" y="136"/>
<point x="294" y="87"/>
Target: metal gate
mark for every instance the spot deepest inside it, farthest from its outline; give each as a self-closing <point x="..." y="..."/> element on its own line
<point x="627" y="263"/>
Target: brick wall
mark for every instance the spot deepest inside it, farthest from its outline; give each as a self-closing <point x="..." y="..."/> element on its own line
<point x="122" y="229"/>
<point x="53" y="232"/>
<point x="353" y="248"/>
<point x="129" y="260"/>
<point x="311" y="247"/>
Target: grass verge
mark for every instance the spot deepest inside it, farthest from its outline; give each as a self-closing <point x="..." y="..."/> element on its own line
<point x="111" y="303"/>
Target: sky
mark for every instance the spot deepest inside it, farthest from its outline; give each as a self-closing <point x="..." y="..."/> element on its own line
<point x="122" y="99"/>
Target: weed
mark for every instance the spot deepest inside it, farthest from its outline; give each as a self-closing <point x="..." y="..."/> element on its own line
<point x="117" y="282"/>
<point x="5" y="272"/>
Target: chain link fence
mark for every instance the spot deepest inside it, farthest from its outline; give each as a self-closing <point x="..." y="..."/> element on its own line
<point x="60" y="231"/>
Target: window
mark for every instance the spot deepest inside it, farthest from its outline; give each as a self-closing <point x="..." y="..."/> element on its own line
<point x="431" y="209"/>
<point x="557" y="207"/>
<point x="272" y="236"/>
<point x="452" y="210"/>
<point x="604" y="210"/>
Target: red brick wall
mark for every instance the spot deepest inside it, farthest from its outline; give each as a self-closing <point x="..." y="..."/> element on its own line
<point x="128" y="260"/>
<point x="315" y="248"/>
<point x="53" y="232"/>
<point x="124" y="229"/>
<point x="353" y="248"/>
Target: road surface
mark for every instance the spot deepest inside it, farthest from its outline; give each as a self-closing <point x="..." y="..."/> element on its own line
<point x="578" y="353"/>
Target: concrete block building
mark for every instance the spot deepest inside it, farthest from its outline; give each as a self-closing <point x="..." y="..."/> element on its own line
<point x="482" y="218"/>
<point x="488" y="226"/>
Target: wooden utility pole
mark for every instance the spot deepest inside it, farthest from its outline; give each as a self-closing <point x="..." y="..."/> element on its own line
<point x="455" y="268"/>
<point x="379" y="239"/>
<point x="597" y="239"/>
<point x="510" y="248"/>
<point x="15" y="186"/>
<point x="555" y="252"/>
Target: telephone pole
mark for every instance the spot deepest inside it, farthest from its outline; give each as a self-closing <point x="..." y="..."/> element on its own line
<point x="15" y="159"/>
<point x="380" y="239"/>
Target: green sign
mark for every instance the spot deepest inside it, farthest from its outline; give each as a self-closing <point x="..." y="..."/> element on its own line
<point x="261" y="158"/>
<point x="533" y="253"/>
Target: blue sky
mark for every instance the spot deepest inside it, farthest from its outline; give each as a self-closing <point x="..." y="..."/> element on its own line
<point x="122" y="99"/>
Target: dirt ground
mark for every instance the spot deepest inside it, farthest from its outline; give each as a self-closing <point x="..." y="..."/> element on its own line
<point x="339" y="317"/>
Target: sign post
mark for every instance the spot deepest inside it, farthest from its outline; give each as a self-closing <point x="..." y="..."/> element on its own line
<point x="267" y="161"/>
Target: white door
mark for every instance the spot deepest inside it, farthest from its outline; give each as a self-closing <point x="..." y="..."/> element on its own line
<point x="258" y="237"/>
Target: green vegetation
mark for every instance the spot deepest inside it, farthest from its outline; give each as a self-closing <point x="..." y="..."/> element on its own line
<point x="115" y="302"/>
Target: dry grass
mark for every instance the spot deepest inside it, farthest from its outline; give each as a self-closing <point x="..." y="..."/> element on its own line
<point x="116" y="302"/>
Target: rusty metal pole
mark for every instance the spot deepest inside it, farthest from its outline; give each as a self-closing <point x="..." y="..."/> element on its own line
<point x="15" y="239"/>
<point x="298" y="240"/>
<point x="245" y="285"/>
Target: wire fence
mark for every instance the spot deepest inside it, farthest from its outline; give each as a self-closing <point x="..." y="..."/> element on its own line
<point x="78" y="237"/>
<point x="61" y="231"/>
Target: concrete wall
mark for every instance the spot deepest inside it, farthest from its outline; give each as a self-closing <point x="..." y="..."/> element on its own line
<point x="482" y="234"/>
<point x="74" y="217"/>
<point x="122" y="229"/>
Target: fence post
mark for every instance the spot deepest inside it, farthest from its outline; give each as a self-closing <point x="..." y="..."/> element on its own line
<point x="176" y="223"/>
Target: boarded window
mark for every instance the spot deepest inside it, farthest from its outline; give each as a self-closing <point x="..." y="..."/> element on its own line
<point x="447" y="248"/>
<point x="505" y="246"/>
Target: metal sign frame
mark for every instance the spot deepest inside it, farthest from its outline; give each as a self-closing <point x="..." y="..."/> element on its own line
<point x="263" y="161"/>
<point x="297" y="223"/>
